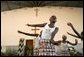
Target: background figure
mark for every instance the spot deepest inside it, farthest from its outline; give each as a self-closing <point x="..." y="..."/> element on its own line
<point x="78" y="35"/>
<point x="63" y="46"/>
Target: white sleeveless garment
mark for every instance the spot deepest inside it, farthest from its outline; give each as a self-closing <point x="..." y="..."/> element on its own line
<point x="47" y="32"/>
<point x="64" y="46"/>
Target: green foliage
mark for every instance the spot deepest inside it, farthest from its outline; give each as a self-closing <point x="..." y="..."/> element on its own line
<point x="9" y="53"/>
<point x="29" y="51"/>
<point x="73" y="52"/>
<point x="3" y="54"/>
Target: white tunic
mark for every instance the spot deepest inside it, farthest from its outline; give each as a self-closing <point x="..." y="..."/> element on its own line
<point x="46" y="32"/>
<point x="57" y="50"/>
<point x="64" y="47"/>
<point x="62" y="50"/>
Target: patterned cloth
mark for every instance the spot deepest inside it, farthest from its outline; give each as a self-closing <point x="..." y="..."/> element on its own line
<point x="46" y="48"/>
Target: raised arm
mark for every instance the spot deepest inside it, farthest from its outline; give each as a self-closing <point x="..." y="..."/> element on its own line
<point x="69" y="24"/>
<point x="37" y="25"/>
<point x="28" y="34"/>
<point x="73" y="35"/>
<point x="52" y="36"/>
<point x="76" y="42"/>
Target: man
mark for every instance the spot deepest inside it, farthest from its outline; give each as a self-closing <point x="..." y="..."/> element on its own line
<point x="48" y="33"/>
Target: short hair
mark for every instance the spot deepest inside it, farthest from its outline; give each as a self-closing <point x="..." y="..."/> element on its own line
<point x="64" y="36"/>
<point x="53" y="16"/>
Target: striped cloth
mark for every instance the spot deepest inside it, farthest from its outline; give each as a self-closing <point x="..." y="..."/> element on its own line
<point x="48" y="49"/>
<point x="21" y="47"/>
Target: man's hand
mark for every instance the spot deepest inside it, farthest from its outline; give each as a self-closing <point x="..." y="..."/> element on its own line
<point x="69" y="24"/>
<point x="76" y="40"/>
<point x="28" y="24"/>
<point x="19" y="31"/>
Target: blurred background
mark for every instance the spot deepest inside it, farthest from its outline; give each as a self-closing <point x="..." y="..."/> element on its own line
<point x="16" y="14"/>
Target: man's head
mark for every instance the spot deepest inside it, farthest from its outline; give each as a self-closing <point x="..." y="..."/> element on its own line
<point x="53" y="19"/>
<point x="64" y="37"/>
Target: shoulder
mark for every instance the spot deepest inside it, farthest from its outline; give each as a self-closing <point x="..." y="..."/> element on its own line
<point x="67" y="41"/>
<point x="56" y="28"/>
<point x="44" y="23"/>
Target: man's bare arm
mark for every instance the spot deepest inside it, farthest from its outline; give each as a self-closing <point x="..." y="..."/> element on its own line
<point x="76" y="42"/>
<point x="53" y="34"/>
<point x="37" y="25"/>
<point x="76" y="31"/>
<point x="28" y="34"/>
<point x="69" y="24"/>
<point x="73" y="35"/>
<point x="55" y="42"/>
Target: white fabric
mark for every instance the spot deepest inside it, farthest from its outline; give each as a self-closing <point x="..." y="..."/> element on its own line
<point x="79" y="47"/>
<point x="37" y="42"/>
<point x="64" y="47"/>
<point x="62" y="50"/>
<point x="57" y="50"/>
<point x="46" y="32"/>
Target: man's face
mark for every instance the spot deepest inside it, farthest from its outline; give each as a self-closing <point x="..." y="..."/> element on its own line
<point x="53" y="19"/>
